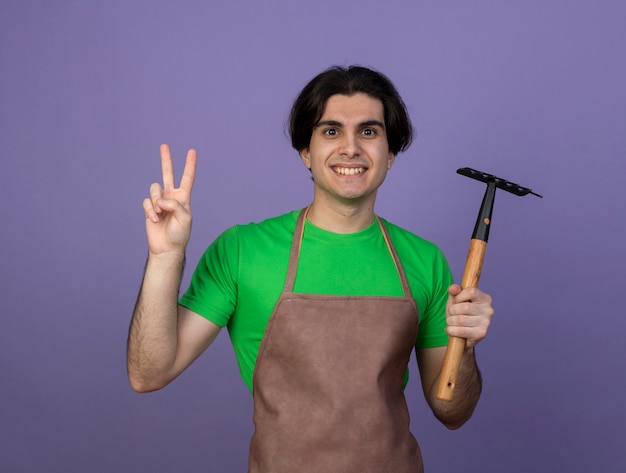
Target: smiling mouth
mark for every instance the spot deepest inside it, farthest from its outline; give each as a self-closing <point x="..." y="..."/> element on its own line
<point x="348" y="171"/>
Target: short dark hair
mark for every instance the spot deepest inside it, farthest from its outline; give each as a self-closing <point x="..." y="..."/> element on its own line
<point x="310" y="104"/>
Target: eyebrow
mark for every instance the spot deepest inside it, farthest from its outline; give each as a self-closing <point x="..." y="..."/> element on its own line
<point x="361" y="125"/>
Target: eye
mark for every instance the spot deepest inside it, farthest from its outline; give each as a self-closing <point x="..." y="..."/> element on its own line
<point x="330" y="131"/>
<point x="369" y="132"/>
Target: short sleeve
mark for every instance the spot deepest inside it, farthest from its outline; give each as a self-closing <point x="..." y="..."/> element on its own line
<point x="433" y="316"/>
<point x="212" y="292"/>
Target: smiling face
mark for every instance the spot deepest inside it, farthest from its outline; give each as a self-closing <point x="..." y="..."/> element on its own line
<point x="349" y="154"/>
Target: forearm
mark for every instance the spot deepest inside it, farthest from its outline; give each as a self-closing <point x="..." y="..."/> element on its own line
<point x="453" y="414"/>
<point x="152" y="338"/>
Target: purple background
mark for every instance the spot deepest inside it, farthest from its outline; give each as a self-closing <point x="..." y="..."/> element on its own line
<point x="531" y="91"/>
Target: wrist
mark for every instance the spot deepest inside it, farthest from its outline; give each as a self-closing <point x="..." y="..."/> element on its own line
<point x="166" y="259"/>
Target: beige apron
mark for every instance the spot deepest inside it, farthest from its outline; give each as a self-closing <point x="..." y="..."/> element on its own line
<point x="328" y="395"/>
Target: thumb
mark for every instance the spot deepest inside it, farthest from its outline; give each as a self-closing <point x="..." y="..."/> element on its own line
<point x="169" y="205"/>
<point x="454" y="290"/>
<point x="174" y="207"/>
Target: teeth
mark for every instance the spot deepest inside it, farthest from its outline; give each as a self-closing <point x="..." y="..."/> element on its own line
<point x="349" y="171"/>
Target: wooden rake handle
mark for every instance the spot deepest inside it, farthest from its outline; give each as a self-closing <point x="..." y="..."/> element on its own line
<point x="456" y="345"/>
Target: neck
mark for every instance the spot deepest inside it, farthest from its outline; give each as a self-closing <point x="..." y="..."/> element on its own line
<point x="340" y="218"/>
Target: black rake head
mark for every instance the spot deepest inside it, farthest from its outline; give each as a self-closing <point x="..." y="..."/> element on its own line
<point x="500" y="183"/>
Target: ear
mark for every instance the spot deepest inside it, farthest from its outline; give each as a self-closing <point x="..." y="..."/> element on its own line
<point x="305" y="156"/>
<point x="390" y="160"/>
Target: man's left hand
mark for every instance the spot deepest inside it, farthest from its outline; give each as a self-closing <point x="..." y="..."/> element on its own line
<point x="468" y="314"/>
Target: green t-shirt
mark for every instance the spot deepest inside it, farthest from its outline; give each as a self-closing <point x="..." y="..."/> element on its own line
<point x="240" y="277"/>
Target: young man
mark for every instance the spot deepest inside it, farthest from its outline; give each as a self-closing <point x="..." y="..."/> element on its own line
<point x="322" y="305"/>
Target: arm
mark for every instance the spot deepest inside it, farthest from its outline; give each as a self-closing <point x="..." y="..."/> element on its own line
<point x="164" y="338"/>
<point x="468" y="315"/>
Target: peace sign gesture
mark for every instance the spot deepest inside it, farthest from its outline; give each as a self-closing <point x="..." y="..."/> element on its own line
<point x="168" y="209"/>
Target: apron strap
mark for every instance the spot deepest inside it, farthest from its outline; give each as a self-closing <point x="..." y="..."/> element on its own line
<point x="296" y="244"/>
<point x="396" y="259"/>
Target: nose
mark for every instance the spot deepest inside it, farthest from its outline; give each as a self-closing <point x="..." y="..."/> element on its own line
<point x="349" y="146"/>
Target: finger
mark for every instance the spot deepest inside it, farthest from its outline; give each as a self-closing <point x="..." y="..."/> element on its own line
<point x="454" y="290"/>
<point x="472" y="294"/>
<point x="148" y="209"/>
<point x="166" y="167"/>
<point x="477" y="319"/>
<point x="471" y="309"/>
<point x="173" y="207"/>
<point x="461" y="308"/>
<point x="189" y="173"/>
<point x="476" y="324"/>
<point x="156" y="193"/>
<point x="473" y="335"/>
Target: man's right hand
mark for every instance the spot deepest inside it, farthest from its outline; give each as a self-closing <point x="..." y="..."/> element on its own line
<point x="164" y="337"/>
<point x="168" y="209"/>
